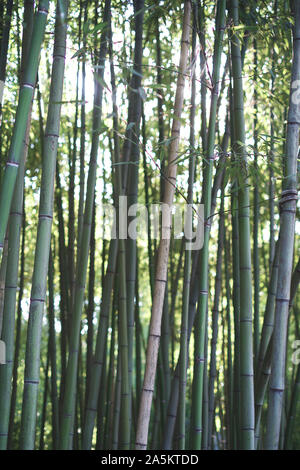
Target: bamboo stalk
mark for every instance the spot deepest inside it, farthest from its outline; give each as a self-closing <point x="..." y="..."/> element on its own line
<point x="4" y="49"/>
<point x="82" y="128"/>
<point x="294" y="283"/>
<point x="38" y="292"/>
<point x="256" y="215"/>
<point x="246" y="359"/>
<point x="69" y="396"/>
<point x="187" y="272"/>
<point x="201" y="320"/>
<point x="15" y="223"/>
<point x="132" y="182"/>
<point x="286" y="247"/>
<point x="215" y="324"/>
<point x="107" y="289"/>
<point x="23" y="109"/>
<point x="52" y="354"/>
<point x="292" y="413"/>
<point x="110" y="381"/>
<point x="17" y="342"/>
<point x="44" y="406"/>
<point x="163" y="251"/>
<point x="194" y="294"/>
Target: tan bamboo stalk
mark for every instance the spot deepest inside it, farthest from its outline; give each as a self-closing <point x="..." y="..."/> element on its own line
<point x="163" y="251"/>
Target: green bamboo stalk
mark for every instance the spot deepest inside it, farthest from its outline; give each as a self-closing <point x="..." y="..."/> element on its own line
<point x="295" y="283"/>
<point x="200" y="13"/>
<point x="63" y="280"/>
<point x="124" y="432"/>
<point x="263" y="366"/>
<point x="17" y="341"/>
<point x="160" y="404"/>
<point x="3" y="269"/>
<point x="124" y="419"/>
<point x="235" y="267"/>
<point x="102" y="404"/>
<point x="110" y="382"/>
<point x="69" y="398"/>
<point x="75" y="437"/>
<point x="71" y="193"/>
<point x="205" y="395"/>
<point x="45" y="398"/>
<point x="200" y="325"/>
<point x="215" y="325"/>
<point x="225" y="398"/>
<point x="15" y="223"/>
<point x="117" y="402"/>
<point x="174" y="294"/>
<point x="1" y="20"/>
<point x="82" y="128"/>
<point x="156" y="423"/>
<point x="147" y="203"/>
<point x="220" y="438"/>
<point x="236" y="307"/>
<point x="288" y="444"/>
<point x="91" y="307"/>
<point x="52" y="353"/>
<point x="160" y="112"/>
<point x="194" y="294"/>
<point x="138" y="340"/>
<point x="31" y="380"/>
<point x="115" y="397"/>
<point x="163" y="356"/>
<point x="9" y="309"/>
<point x="256" y="215"/>
<point x="246" y="359"/>
<point x="229" y="372"/>
<point x="268" y="324"/>
<point x="286" y="247"/>
<point x="187" y="271"/>
<point x="283" y="422"/>
<point x="90" y="415"/>
<point x="4" y="49"/>
<point x="132" y="182"/>
<point x="96" y="370"/>
<point x="271" y="166"/>
<point x="23" y="110"/>
<point x="107" y="289"/>
<point x="263" y="250"/>
<point x="260" y="390"/>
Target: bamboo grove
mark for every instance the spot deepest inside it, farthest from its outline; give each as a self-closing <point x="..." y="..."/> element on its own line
<point x="138" y="117"/>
